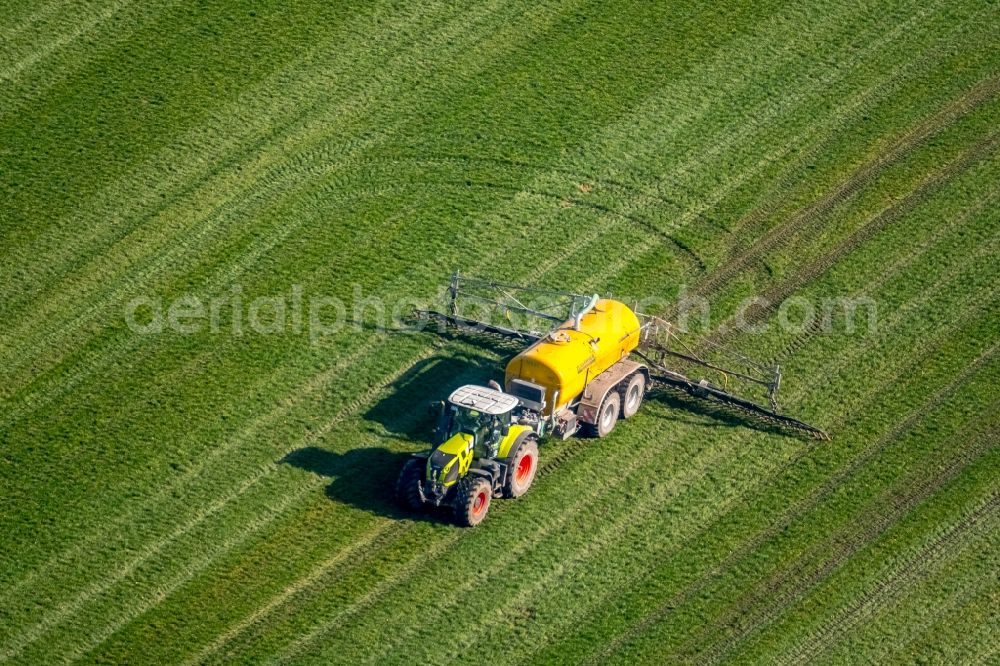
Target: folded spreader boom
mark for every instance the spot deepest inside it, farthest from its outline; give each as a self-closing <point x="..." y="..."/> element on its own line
<point x="576" y="332"/>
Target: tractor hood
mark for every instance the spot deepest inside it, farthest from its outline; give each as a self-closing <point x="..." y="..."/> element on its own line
<point x="445" y="464"/>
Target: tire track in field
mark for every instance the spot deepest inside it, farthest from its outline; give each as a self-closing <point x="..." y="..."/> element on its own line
<point x="629" y="520"/>
<point x="931" y="623"/>
<point x="775" y="109"/>
<point x="816" y="326"/>
<point x="930" y="185"/>
<point x="890" y="586"/>
<point x="791" y="585"/>
<point x="802" y="219"/>
<point x="956" y="613"/>
<point x="911" y="420"/>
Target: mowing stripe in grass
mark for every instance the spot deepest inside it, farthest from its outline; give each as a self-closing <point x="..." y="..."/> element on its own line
<point x="796" y="512"/>
<point x="42" y="50"/>
<point x="59" y="614"/>
<point x="279" y="181"/>
<point x="897" y="580"/>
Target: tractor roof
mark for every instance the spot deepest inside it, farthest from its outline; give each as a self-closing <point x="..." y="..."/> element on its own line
<point x="483" y="399"/>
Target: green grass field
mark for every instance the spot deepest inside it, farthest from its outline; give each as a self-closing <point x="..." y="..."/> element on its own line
<point x="213" y="497"/>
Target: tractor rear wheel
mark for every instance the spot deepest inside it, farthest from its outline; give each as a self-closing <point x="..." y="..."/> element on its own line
<point x="408" y="492"/>
<point x="472" y="500"/>
<point x="522" y="463"/>
<point x="632" y="396"/>
<point x="607" y="415"/>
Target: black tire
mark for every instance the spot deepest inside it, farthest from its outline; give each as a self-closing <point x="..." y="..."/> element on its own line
<point x="522" y="464"/>
<point x="607" y="415"/>
<point x="408" y="492"/>
<point x="632" y="396"/>
<point x="472" y="500"/>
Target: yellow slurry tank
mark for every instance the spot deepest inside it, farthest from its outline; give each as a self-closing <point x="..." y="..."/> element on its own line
<point x="565" y="361"/>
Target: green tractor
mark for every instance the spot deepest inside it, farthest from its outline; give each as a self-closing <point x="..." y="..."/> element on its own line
<point x="484" y="448"/>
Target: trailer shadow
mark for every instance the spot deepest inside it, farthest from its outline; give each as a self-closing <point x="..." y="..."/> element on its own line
<point x="722" y="416"/>
<point x="402" y="411"/>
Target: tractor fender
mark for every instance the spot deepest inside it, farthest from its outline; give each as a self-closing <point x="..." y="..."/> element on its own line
<point x="515" y="436"/>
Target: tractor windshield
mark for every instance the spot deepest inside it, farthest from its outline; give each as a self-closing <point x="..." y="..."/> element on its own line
<point x="469" y="421"/>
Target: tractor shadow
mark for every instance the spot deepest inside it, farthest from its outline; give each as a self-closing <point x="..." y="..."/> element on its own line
<point x="364" y="478"/>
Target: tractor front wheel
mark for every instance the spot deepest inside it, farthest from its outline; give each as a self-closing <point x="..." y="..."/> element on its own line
<point x="408" y="492"/>
<point x="472" y="500"/>
<point x="522" y="464"/>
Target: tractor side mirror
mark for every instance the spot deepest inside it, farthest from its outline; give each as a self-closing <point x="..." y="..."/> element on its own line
<point x="504" y="430"/>
<point x="435" y="408"/>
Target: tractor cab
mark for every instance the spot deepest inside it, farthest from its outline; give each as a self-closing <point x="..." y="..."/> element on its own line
<point x="481" y="412"/>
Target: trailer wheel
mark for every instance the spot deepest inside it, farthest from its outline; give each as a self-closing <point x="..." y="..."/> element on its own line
<point x="634" y="391"/>
<point x="408" y="492"/>
<point x="607" y="415"/>
<point x="472" y="501"/>
<point x="522" y="464"/>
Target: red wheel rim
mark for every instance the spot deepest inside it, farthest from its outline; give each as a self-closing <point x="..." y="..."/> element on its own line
<point x="479" y="503"/>
<point x="524" y="468"/>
